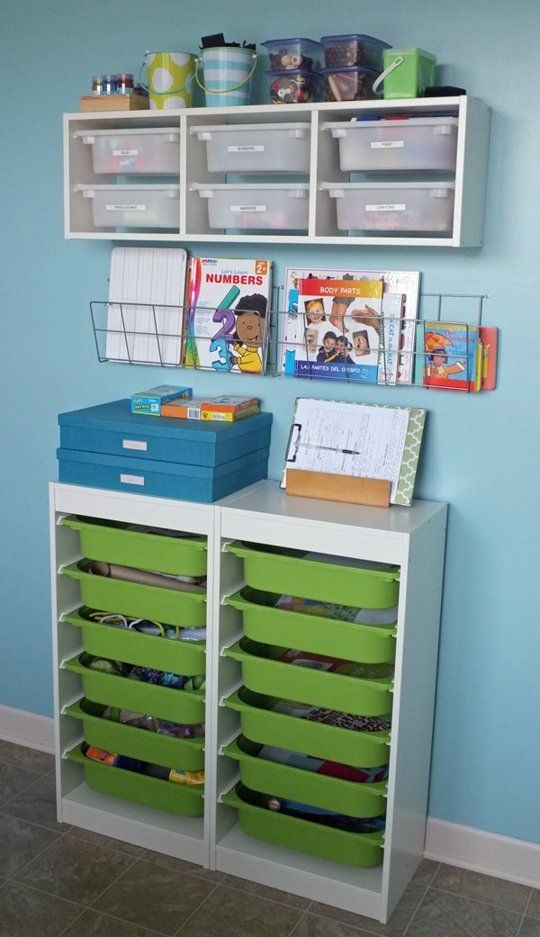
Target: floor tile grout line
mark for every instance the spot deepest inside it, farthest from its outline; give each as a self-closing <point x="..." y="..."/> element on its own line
<point x="11" y="878"/>
<point x="417" y="908"/>
<point x="198" y="908"/>
<point x="39" y="826"/>
<point x="113" y="882"/>
<point x="23" y="790"/>
<point x="72" y="833"/>
<point x="299" y="921"/>
<point x="491" y="904"/>
<point x="112" y="917"/>
<point x="283" y="904"/>
<point x="524" y="915"/>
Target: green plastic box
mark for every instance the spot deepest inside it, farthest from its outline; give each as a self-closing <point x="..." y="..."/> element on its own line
<point x="270" y="625"/>
<point x="158" y="553"/>
<point x="287" y="572"/>
<point x="279" y="780"/>
<point x="132" y="647"/>
<point x="407" y="72"/>
<point x="163" y="702"/>
<point x="169" y="606"/>
<point x="261" y="723"/>
<point x="356" y="849"/>
<point x="262" y="673"/>
<point x="183" y="754"/>
<point x="152" y="792"/>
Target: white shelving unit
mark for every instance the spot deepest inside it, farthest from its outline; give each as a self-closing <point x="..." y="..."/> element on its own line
<point x="413" y="538"/>
<point x="470" y="176"/>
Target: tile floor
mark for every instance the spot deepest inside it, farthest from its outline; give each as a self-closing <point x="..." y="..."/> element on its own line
<point x="56" y="880"/>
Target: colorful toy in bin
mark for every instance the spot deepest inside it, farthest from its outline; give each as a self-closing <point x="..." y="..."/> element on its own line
<point x="406" y="73"/>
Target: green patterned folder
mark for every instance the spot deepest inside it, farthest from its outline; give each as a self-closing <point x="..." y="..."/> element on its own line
<point x="363" y="440"/>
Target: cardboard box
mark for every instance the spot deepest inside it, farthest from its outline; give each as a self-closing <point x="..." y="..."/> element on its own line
<point x="151" y="401"/>
<point x="184" y="409"/>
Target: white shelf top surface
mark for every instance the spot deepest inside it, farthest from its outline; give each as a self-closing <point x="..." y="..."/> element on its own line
<point x="268" y="499"/>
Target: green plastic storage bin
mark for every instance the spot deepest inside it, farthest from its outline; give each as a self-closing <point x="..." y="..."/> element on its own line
<point x="278" y="780"/>
<point x="287" y="572"/>
<point x="357" y="849"/>
<point x="262" y="673"/>
<point x="132" y="647"/>
<point x="158" y="553"/>
<point x="183" y="754"/>
<point x="406" y="73"/>
<point x="163" y="702"/>
<point x="270" y="625"/>
<point x="262" y="724"/>
<point x="152" y="792"/>
<point x="169" y="606"/>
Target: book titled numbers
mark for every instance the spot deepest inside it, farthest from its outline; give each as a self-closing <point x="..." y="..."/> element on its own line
<point x="227" y="305"/>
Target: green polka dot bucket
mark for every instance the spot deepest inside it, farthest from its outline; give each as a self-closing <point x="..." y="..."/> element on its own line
<point x="170" y="79"/>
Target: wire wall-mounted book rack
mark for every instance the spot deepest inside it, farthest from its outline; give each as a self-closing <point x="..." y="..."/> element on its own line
<point x="446" y="346"/>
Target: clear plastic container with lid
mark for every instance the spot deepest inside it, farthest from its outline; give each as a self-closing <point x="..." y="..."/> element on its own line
<point x="348" y="83"/>
<point x="354" y="49"/>
<point x="294" y="53"/>
<point x="294" y="86"/>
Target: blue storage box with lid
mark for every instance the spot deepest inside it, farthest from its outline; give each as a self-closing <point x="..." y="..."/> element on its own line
<point x="109" y="447"/>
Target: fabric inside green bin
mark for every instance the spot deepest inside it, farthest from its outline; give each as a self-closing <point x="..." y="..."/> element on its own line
<point x="322" y="628"/>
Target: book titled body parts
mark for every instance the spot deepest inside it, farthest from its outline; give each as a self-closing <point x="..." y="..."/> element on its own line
<point x="227" y="305"/>
<point x="342" y="329"/>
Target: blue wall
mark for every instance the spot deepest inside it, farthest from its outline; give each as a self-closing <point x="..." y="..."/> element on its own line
<point x="481" y="452"/>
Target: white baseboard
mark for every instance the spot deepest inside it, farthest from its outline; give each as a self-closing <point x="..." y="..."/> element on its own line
<point x="515" y="860"/>
<point x="24" y="728"/>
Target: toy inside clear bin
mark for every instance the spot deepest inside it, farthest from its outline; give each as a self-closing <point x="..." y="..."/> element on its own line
<point x="348" y="84"/>
<point x="294" y="53"/>
<point x="354" y="49"/>
<point x="294" y="86"/>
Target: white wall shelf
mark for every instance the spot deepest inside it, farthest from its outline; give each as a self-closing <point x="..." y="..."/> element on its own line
<point x="411" y="537"/>
<point x="470" y="174"/>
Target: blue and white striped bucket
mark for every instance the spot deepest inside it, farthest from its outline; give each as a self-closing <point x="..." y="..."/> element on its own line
<point x="227" y="75"/>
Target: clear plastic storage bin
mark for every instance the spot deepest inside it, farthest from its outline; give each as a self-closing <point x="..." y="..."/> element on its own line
<point x="393" y="206"/>
<point x="256" y="147"/>
<point x="133" y="206"/>
<point x="295" y="86"/>
<point x="294" y="53"/>
<point x="348" y="84"/>
<point x="414" y="143"/>
<point x="354" y="49"/>
<point x="144" y="151"/>
<point x="248" y="206"/>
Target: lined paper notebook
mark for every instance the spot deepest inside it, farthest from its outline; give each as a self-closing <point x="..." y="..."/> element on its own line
<point x="153" y="278"/>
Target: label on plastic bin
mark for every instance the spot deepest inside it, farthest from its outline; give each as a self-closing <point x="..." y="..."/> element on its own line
<point x="247" y="208"/>
<point x="135" y="444"/>
<point x="387" y="144"/>
<point x="125" y="207"/>
<point x="132" y="479"/>
<point x="398" y="206"/>
<point x="246" y="148"/>
<point x="125" y="152"/>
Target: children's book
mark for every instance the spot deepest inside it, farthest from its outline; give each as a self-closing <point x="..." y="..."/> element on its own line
<point x="227" y="305"/>
<point x="397" y="335"/>
<point x="489" y="336"/>
<point x="451" y="356"/>
<point x="342" y="325"/>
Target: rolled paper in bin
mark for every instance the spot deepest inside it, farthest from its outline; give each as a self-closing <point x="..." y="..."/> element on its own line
<point x="129" y="574"/>
<point x="170" y="79"/>
<point x="227" y="73"/>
